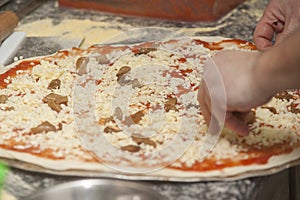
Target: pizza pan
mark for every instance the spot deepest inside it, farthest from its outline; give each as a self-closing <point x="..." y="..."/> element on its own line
<point x="97" y="189"/>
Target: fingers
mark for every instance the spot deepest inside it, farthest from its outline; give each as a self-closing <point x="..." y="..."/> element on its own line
<point x="265" y="31"/>
<point x="205" y="106"/>
<point x="288" y="28"/>
<point x="279" y="30"/>
<point x="212" y="101"/>
<point x="278" y="26"/>
<point x="263" y="34"/>
<point x="280" y="20"/>
<point x="271" y="24"/>
<point x="232" y="121"/>
<point x="211" y="121"/>
<point x="237" y="124"/>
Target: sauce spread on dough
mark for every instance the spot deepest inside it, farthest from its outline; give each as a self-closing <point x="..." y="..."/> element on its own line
<point x="241" y="44"/>
<point x="19" y="146"/>
<point x="24" y="66"/>
<point x="251" y="157"/>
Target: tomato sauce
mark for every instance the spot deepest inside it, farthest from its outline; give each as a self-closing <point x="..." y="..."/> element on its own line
<point x="251" y="157"/>
<point x="25" y="66"/>
<point x="12" y="145"/>
<point x="186" y="71"/>
<point x="222" y="44"/>
<point x="182" y="60"/>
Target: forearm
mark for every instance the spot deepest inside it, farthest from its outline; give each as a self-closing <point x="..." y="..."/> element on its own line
<point x="278" y="68"/>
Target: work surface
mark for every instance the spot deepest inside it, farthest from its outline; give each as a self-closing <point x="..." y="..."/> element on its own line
<point x="97" y="27"/>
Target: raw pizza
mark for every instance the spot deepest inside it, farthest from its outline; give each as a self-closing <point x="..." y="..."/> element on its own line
<point x="132" y="111"/>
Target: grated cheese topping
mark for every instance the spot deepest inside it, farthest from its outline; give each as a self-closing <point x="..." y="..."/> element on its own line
<point x="149" y="112"/>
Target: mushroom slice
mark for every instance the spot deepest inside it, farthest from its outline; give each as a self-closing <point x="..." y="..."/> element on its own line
<point x="111" y="130"/>
<point x="284" y="95"/>
<point x="271" y="109"/>
<point x="9" y="108"/>
<point x="122" y="71"/>
<point x="81" y="65"/>
<point x="102" y="59"/>
<point x="54" y="106"/>
<point x="134" y="118"/>
<point x="122" y="81"/>
<point x="54" y="101"/>
<point x="146" y="50"/>
<point x="294" y="108"/>
<point x="171" y="104"/>
<point x="136" y="84"/>
<point x="139" y="139"/>
<point x="131" y="148"/>
<point x="59" y="99"/>
<point x="44" y="127"/>
<point x="103" y="121"/>
<point x="3" y="98"/>
<point x="251" y="117"/>
<point x="54" y="84"/>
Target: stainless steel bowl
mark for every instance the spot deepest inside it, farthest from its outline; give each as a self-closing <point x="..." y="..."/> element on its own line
<point x="98" y="189"/>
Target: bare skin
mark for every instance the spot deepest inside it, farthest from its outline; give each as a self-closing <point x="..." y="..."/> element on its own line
<point x="282" y="18"/>
<point x="250" y="80"/>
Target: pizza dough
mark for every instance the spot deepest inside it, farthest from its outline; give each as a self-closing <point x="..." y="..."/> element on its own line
<point x="132" y="112"/>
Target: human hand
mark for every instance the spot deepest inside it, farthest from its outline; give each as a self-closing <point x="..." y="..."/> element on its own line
<point x="281" y="17"/>
<point x="236" y="69"/>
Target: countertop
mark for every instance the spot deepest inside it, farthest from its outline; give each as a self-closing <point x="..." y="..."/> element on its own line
<point x="239" y="23"/>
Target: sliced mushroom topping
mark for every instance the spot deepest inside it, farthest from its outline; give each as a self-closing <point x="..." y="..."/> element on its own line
<point x="135" y="118"/>
<point x="10" y="108"/>
<point x="111" y="130"/>
<point x="131" y="148"/>
<point x="3" y="98"/>
<point x="121" y="78"/>
<point x="44" y="127"/>
<point x="103" y="121"/>
<point x="60" y="127"/>
<point x="54" y="101"/>
<point x="81" y="65"/>
<point x="271" y="109"/>
<point x="251" y="117"/>
<point x="284" y="95"/>
<point x="139" y="139"/>
<point x="122" y="71"/>
<point x="122" y="81"/>
<point x="54" y="84"/>
<point x="294" y="108"/>
<point x="59" y="99"/>
<point x="171" y="104"/>
<point x="135" y="83"/>
<point x="54" y="106"/>
<point x="102" y="59"/>
<point x="141" y="51"/>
